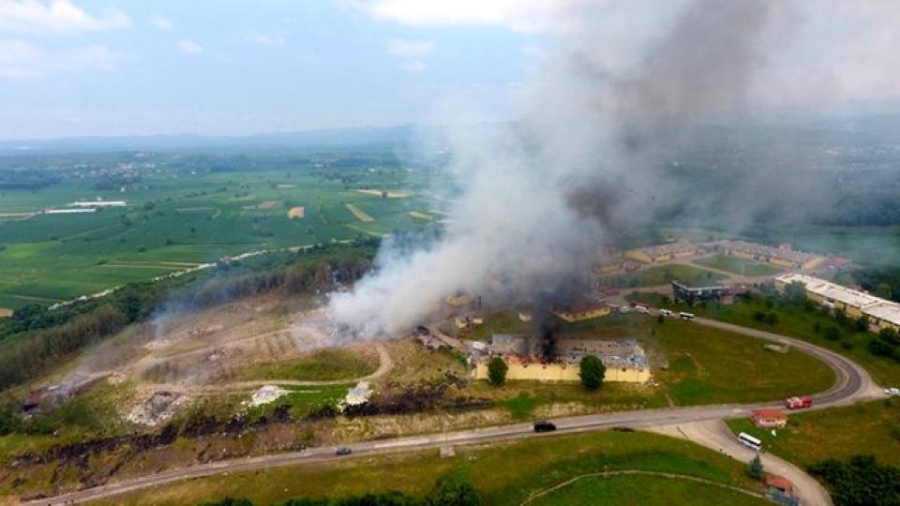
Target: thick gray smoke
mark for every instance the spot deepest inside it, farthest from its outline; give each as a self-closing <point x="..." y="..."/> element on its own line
<point x="542" y="198"/>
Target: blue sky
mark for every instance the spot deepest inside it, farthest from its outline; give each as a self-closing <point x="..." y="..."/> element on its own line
<point x="233" y="67"/>
<point x="84" y="67"/>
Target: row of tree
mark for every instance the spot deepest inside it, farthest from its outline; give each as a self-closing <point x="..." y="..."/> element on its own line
<point x="860" y="481"/>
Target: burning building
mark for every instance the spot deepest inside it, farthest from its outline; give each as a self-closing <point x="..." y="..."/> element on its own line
<point x="525" y="356"/>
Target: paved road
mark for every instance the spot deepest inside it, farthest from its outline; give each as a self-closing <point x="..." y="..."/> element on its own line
<point x="853" y="384"/>
<point x="715" y="435"/>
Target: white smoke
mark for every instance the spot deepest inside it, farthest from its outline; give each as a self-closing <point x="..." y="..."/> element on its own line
<point x="542" y="197"/>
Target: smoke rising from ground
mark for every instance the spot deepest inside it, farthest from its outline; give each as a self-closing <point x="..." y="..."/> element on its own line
<point x="585" y="165"/>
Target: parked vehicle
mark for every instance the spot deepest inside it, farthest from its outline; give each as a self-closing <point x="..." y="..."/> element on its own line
<point x="666" y="312"/>
<point x="892" y="391"/>
<point x="798" y="402"/>
<point x="544" y="426"/>
<point x="750" y="441"/>
<point x="343" y="451"/>
<point x="686" y="316"/>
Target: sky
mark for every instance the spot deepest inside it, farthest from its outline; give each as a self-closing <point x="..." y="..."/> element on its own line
<point x="230" y="67"/>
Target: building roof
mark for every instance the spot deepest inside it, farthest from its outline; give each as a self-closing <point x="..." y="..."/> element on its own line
<point x="771" y="414"/>
<point x="773" y="480"/>
<point x="581" y="306"/>
<point x="887" y="311"/>
<point x="871" y="305"/>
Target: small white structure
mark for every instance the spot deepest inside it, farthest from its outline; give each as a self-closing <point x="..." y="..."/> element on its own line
<point x="266" y="394"/>
<point x="359" y="394"/>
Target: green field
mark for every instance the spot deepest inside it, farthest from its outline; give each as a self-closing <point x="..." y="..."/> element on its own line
<point x="636" y="489"/>
<point x="540" y="464"/>
<point x="176" y="220"/>
<point x="322" y="365"/>
<point x="872" y="428"/>
<point x="800" y="323"/>
<point x="737" y="266"/>
<point x="663" y="275"/>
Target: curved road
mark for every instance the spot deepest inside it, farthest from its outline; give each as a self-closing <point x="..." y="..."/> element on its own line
<point x="853" y="383"/>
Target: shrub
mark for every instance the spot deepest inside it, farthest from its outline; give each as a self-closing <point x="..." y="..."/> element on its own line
<point x="591" y="372"/>
<point x="497" y="371"/>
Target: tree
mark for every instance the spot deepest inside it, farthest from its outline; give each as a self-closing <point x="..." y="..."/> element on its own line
<point x="497" y="371"/>
<point x="889" y="336"/>
<point x="795" y="293"/>
<point x="884" y="291"/>
<point x="451" y="490"/>
<point x="862" y="324"/>
<point x="591" y="372"/>
<point x="755" y="468"/>
<point x="880" y="348"/>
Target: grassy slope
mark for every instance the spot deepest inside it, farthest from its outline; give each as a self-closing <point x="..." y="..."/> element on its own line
<point x="799" y="323"/>
<point x="539" y="464"/>
<point x="872" y="428"/>
<point x="322" y="365"/>
<point x="628" y="490"/>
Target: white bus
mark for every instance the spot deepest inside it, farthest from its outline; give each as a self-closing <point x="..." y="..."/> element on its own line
<point x="749" y="441"/>
<point x="686" y="316"/>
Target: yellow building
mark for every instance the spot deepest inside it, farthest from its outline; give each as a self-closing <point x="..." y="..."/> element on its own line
<point x="581" y="311"/>
<point x="882" y="313"/>
<point x="562" y="372"/>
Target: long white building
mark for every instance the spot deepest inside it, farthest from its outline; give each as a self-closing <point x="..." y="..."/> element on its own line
<point x="881" y="312"/>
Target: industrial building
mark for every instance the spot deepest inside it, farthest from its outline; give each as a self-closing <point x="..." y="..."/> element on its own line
<point x="687" y="293"/>
<point x="783" y="256"/>
<point x="625" y="360"/>
<point x="663" y="253"/>
<point x="881" y="313"/>
<point x="582" y="310"/>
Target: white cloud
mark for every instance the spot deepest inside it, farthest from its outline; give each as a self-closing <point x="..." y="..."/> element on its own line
<point x="261" y="39"/>
<point x="188" y="46"/>
<point x="161" y="23"/>
<point x="411" y="48"/>
<point x="516" y="15"/>
<point x="20" y="60"/>
<point x="413" y="66"/>
<point x="58" y="17"/>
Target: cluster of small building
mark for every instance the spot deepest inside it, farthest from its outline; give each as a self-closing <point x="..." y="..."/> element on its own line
<point x="782" y="256"/>
<point x="881" y="313"/>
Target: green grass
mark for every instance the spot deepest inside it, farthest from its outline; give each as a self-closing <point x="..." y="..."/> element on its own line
<point x="506" y="474"/>
<point x="737" y="266"/>
<point x="635" y="489"/>
<point x="193" y="219"/>
<point x="663" y="275"/>
<point x="800" y="323"/>
<point x="322" y="365"/>
<point x="709" y="366"/>
<point x="865" y="429"/>
<point x="504" y="322"/>
<point x="521" y="406"/>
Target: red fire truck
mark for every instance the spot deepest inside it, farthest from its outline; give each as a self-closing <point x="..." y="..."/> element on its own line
<point x="798" y="402"/>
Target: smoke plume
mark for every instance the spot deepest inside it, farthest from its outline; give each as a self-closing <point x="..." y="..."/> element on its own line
<point x="542" y="198"/>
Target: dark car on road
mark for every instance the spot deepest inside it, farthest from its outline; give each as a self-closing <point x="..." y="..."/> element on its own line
<point x="343" y="451"/>
<point x="544" y="426"/>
